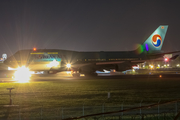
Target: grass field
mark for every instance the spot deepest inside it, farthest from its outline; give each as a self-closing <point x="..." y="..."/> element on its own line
<point x="64" y="93"/>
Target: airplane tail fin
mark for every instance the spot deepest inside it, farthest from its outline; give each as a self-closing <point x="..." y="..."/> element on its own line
<point x="155" y="40"/>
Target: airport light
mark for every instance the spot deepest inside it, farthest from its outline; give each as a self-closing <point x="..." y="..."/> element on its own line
<point x="151" y="66"/>
<point x="166" y="59"/>
<point x="68" y="65"/>
<point x="69" y="72"/>
<point x="34" y="49"/>
<point x="22" y="75"/>
<point x="135" y="67"/>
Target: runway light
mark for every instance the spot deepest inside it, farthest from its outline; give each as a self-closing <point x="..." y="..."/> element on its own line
<point x="151" y="66"/>
<point x="68" y="65"/>
<point x="22" y="74"/>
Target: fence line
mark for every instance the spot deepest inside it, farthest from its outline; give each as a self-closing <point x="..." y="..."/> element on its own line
<point x="125" y="110"/>
<point x="158" y="111"/>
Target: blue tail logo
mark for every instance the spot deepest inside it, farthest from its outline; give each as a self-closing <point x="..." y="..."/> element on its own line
<point x="156" y="40"/>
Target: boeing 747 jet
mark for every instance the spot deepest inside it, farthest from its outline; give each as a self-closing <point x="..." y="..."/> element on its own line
<point x="56" y="60"/>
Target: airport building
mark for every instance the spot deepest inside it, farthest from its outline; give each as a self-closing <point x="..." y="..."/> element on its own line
<point x="3" y="66"/>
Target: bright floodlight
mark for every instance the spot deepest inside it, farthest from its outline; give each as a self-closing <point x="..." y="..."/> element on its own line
<point x="22" y="74"/>
<point x="151" y="66"/>
<point x="68" y="65"/>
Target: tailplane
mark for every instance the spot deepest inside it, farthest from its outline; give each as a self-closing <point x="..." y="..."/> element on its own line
<point x="155" y="41"/>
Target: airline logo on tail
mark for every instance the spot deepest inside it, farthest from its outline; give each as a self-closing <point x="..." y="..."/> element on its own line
<point x="156" y="40"/>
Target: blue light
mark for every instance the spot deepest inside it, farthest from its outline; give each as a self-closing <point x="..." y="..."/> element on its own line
<point x="147" y="48"/>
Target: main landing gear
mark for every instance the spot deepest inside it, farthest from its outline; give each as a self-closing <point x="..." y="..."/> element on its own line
<point x="76" y="74"/>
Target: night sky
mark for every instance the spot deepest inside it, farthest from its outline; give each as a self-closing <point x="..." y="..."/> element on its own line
<point x="86" y="25"/>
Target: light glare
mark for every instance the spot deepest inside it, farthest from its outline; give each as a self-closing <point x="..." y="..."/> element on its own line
<point x="68" y="65"/>
<point x="166" y="59"/>
<point x="22" y="74"/>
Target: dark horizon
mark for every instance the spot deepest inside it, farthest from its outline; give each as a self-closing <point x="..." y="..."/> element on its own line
<point x="79" y="25"/>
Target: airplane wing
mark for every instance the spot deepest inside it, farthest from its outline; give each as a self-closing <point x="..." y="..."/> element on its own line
<point x="136" y="61"/>
<point x="164" y="53"/>
<point x="123" y="65"/>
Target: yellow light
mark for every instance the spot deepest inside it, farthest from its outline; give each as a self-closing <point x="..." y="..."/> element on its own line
<point x="22" y="74"/>
<point x="69" y="72"/>
<point x="68" y="65"/>
<point x="160" y="76"/>
<point x="151" y="66"/>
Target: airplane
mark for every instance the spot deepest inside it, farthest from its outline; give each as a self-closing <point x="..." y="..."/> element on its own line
<point x="56" y="60"/>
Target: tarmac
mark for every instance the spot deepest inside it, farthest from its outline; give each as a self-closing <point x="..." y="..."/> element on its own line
<point x="65" y="76"/>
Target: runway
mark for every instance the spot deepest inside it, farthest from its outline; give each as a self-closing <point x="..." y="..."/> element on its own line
<point x="64" y="76"/>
